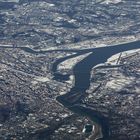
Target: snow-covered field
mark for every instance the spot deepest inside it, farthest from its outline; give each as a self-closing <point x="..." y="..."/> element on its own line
<point x="9" y="1"/>
<point x="111" y="1"/>
<point x="118" y="82"/>
<point x="113" y="59"/>
<point x="42" y="79"/>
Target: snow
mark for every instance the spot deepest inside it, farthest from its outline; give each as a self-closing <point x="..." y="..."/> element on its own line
<point x="114" y="58"/>
<point x="64" y="115"/>
<point x="9" y="1"/>
<point x="46" y="4"/>
<point x="68" y="64"/>
<point x="71" y="80"/>
<point x="111" y="1"/>
<point x="62" y="92"/>
<point x="72" y="21"/>
<point x="100" y="45"/>
<point x="119" y="81"/>
<point x="42" y="79"/>
<point x="6" y="45"/>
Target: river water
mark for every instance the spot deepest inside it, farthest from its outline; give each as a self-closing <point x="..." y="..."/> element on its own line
<point x="81" y="71"/>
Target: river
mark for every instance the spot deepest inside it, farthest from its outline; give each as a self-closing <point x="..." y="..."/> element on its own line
<point x="81" y="71"/>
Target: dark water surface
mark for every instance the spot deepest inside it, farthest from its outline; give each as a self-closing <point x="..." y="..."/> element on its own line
<point x="82" y="71"/>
